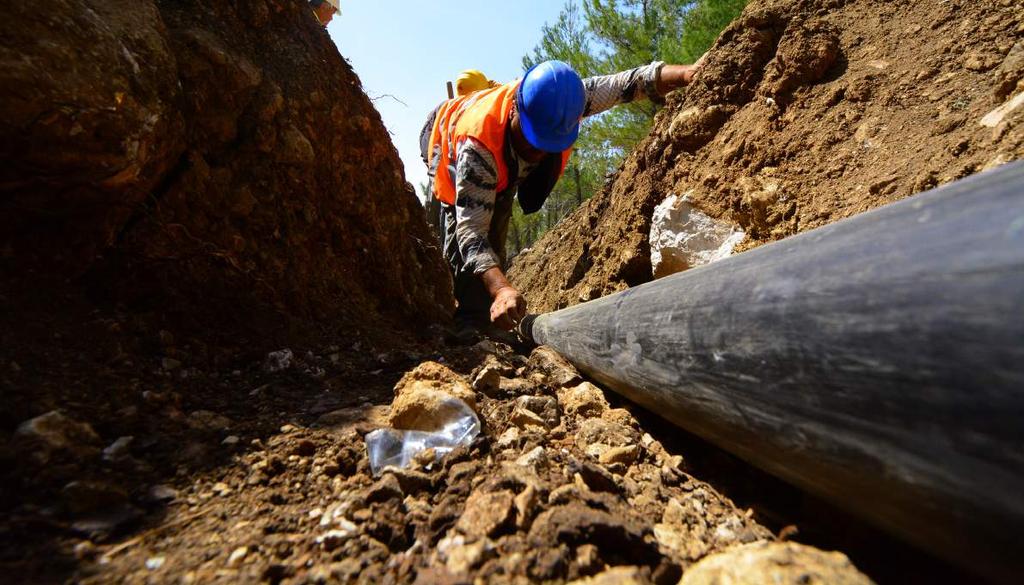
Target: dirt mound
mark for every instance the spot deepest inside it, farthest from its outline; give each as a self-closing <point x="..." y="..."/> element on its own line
<point x="807" y="112"/>
<point x="205" y="159"/>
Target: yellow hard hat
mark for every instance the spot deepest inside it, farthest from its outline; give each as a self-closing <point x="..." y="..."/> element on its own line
<point x="472" y="80"/>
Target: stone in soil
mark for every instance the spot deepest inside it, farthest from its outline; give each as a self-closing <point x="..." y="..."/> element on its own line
<point x="424" y="398"/>
<point x="584" y="399"/>
<point x="56" y="432"/>
<point x="778" y="563"/>
<point x="538" y="411"/>
<point x="487" y="514"/>
<point x="556" y="370"/>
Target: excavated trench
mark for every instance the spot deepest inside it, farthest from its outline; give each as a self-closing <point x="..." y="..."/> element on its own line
<point x="195" y="342"/>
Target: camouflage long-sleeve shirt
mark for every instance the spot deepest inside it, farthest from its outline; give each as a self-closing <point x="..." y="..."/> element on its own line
<point x="476" y="177"/>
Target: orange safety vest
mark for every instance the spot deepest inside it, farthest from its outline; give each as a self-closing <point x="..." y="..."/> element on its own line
<point x="482" y="115"/>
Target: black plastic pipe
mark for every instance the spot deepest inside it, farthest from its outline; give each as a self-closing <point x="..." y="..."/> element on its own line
<point x="877" y="362"/>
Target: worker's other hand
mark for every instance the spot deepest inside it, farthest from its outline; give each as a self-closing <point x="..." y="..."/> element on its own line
<point x="508" y="308"/>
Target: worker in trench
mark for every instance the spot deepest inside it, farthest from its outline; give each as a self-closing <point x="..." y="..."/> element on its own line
<point x="324" y="10"/>
<point x="488" y="147"/>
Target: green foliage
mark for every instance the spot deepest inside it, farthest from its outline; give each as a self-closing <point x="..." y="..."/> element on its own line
<point x="601" y="37"/>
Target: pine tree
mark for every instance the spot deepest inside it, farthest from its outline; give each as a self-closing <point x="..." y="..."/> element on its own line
<point x="606" y="36"/>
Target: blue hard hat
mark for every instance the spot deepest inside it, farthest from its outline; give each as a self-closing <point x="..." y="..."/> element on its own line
<point x="550" y="100"/>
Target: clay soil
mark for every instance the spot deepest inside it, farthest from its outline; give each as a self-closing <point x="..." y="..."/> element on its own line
<point x="807" y="112"/>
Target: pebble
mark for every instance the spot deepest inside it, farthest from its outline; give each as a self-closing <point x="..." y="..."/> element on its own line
<point x="231" y="440"/>
<point x="584" y="400"/>
<point x="464" y="469"/>
<point x="460" y="557"/>
<point x="488" y="378"/>
<point x="411" y="481"/>
<point x="386" y="488"/>
<point x="515" y="387"/>
<point x="626" y="455"/>
<point x="553" y="366"/>
<point x="486" y="514"/>
<point x="526" y="419"/>
<point x="237" y="556"/>
<point x="57" y="432"/>
<point x="84" y="550"/>
<point x="544" y="408"/>
<point x="486" y="347"/>
<point x="333" y="539"/>
<point x="526" y="502"/>
<point x="508" y="439"/>
<point x="588" y="558"/>
<point x="533" y="459"/>
<point x="278" y="361"/>
<point x="118" y="449"/>
<point x="154" y="563"/>
<point x="162" y="493"/>
<point x="596" y="435"/>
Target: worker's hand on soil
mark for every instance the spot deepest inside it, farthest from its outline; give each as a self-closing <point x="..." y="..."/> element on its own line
<point x="508" y="308"/>
<point x="672" y="77"/>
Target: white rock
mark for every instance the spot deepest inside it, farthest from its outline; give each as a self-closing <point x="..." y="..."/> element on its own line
<point x="238" y="555"/>
<point x="154" y="563"/>
<point x="993" y="118"/>
<point x="683" y="237"/>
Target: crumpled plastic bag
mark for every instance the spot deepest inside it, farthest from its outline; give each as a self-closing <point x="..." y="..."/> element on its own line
<point x="397" y="447"/>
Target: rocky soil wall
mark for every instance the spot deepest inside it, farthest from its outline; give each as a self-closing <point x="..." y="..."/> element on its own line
<point x="806" y="112"/>
<point x="216" y="160"/>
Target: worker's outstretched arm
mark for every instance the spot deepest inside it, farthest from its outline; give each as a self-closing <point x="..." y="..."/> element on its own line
<point x="647" y="82"/>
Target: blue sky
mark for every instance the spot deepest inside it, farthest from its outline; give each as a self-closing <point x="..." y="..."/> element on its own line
<point x="408" y="49"/>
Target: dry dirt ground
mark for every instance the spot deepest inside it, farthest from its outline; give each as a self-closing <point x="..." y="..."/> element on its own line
<point x="162" y="457"/>
<point x="806" y="112"/>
